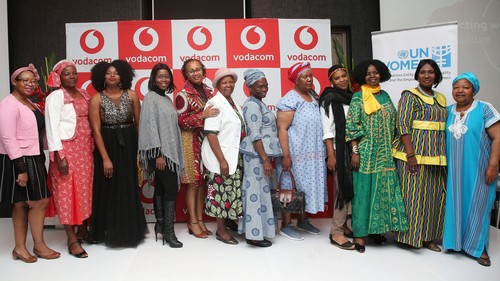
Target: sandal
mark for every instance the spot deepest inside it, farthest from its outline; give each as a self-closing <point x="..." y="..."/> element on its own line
<point x="81" y="255"/>
<point x="207" y="231"/>
<point x="201" y="235"/>
<point x="484" y="261"/>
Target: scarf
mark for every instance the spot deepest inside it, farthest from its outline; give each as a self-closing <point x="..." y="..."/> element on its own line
<point x="159" y="134"/>
<point x="337" y="98"/>
<point x="370" y="103"/>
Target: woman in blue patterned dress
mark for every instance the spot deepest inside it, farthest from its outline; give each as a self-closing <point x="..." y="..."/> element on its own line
<point x="301" y="138"/>
<point x="258" y="148"/>
<point x="473" y="153"/>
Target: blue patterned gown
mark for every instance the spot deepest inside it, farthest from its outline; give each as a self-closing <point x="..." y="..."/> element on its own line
<point x="468" y="199"/>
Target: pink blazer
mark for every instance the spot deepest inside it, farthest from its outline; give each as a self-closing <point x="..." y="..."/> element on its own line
<point x="18" y="129"/>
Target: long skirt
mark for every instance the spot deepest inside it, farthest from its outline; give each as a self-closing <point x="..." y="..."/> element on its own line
<point x="258" y="219"/>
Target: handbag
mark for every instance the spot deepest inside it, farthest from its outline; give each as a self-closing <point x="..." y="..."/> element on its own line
<point x="296" y="204"/>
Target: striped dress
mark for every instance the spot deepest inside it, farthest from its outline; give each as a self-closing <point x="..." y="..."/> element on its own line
<point x="423" y="118"/>
<point x="469" y="199"/>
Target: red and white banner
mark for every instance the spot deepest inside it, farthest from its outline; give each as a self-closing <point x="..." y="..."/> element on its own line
<point x="271" y="45"/>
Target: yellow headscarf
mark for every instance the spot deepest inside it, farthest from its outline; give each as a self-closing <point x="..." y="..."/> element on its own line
<point x="370" y="103"/>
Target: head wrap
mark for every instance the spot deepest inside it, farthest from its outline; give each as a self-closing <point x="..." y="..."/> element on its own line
<point x="252" y="75"/>
<point x="334" y="69"/>
<point x="223" y="72"/>
<point x="295" y="70"/>
<point x="54" y="79"/>
<point x="469" y="76"/>
<point x="18" y="71"/>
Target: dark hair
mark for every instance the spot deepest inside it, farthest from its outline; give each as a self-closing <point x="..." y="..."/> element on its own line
<point x="435" y="66"/>
<point x="152" y="85"/>
<point x="361" y="69"/>
<point x="183" y="68"/>
<point x="98" y="72"/>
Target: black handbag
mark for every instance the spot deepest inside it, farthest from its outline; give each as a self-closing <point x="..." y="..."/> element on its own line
<point x="296" y="204"/>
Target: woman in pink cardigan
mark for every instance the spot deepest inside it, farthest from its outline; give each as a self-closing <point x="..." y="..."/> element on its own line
<point x="22" y="165"/>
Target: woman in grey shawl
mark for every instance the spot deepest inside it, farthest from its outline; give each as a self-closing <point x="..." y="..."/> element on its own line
<point x="160" y="149"/>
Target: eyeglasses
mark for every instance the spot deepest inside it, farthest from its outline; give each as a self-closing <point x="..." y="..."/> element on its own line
<point x="27" y="82"/>
<point x="193" y="71"/>
<point x="163" y="77"/>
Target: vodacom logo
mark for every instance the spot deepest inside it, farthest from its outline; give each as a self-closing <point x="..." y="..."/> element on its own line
<point x="85" y="39"/>
<point x="253" y="40"/>
<point x="138" y="87"/>
<point x="306" y="32"/>
<point x="199" y="38"/>
<point x="150" y="46"/>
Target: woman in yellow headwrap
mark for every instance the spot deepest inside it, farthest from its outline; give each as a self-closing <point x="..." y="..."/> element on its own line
<point x="377" y="206"/>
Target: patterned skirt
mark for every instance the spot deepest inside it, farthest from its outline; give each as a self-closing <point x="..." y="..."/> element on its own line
<point x="224" y="194"/>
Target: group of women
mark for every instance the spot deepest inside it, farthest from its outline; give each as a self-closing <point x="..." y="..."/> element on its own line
<point x="396" y="169"/>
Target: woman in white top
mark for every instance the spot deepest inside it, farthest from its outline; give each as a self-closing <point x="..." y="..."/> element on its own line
<point x="334" y="104"/>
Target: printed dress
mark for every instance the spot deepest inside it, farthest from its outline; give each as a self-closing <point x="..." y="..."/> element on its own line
<point x="468" y="198"/>
<point x="423" y="118"/>
<point x="258" y="220"/>
<point x="307" y="150"/>
<point x="190" y="103"/>
<point x="72" y="193"/>
<point x="377" y="206"/>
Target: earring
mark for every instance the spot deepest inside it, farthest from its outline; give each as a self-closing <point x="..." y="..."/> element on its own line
<point x="104" y="84"/>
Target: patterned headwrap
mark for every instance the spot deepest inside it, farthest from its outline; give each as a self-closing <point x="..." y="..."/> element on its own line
<point x="334" y="69"/>
<point x="252" y="75"/>
<point x="18" y="71"/>
<point x="54" y="79"/>
<point x="469" y="76"/>
<point x="295" y="70"/>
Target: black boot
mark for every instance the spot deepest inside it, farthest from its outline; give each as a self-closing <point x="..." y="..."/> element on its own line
<point x="168" y="232"/>
<point x="159" y="214"/>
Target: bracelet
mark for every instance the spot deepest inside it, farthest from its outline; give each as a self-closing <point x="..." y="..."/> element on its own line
<point x="410" y="155"/>
<point x="355" y="149"/>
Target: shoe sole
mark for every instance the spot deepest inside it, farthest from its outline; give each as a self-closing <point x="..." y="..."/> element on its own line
<point x="308" y="231"/>
<point x="291" y="237"/>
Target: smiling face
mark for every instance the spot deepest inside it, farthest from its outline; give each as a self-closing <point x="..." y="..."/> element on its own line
<point x="339" y="80"/>
<point x="112" y="77"/>
<point x="259" y="89"/>
<point x="25" y="83"/>
<point x="69" y="77"/>
<point x="226" y="86"/>
<point x="372" y="77"/>
<point x="426" y="76"/>
<point x="194" y="72"/>
<point x="162" y="79"/>
<point x="305" y="81"/>
<point x="463" y="93"/>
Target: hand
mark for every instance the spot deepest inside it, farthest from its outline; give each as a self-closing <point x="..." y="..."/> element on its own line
<point x="286" y="162"/>
<point x="355" y="162"/>
<point x="22" y="179"/>
<point x="331" y="163"/>
<point x="160" y="163"/>
<point x="108" y="168"/>
<point x="210" y="111"/>
<point x="491" y="174"/>
<point x="224" y="168"/>
<point x="62" y="166"/>
<point x="268" y="168"/>
<point x="412" y="165"/>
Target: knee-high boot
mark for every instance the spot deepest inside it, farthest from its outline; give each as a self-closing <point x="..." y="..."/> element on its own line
<point x="159" y="214"/>
<point x="168" y="231"/>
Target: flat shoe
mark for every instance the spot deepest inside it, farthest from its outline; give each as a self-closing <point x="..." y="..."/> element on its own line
<point x="344" y="246"/>
<point x="53" y="256"/>
<point x="432" y="246"/>
<point x="359" y="248"/>
<point x="484" y="261"/>
<point x="230" y="241"/>
<point x="81" y="255"/>
<point x="17" y="256"/>
<point x="259" y="243"/>
<point x="378" y="239"/>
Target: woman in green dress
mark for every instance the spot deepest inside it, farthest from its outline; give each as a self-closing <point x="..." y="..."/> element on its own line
<point x="377" y="206"/>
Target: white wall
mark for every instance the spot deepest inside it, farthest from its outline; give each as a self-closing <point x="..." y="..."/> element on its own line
<point x="4" y="51"/>
<point x="478" y="33"/>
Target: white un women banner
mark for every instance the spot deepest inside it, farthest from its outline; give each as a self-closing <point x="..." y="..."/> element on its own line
<point x="402" y="50"/>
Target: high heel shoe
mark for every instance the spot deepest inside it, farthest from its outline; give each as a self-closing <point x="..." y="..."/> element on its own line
<point x="54" y="255"/>
<point x="201" y="235"/>
<point x="158" y="230"/>
<point x="17" y="256"/>
<point x="80" y="255"/>
<point x="207" y="231"/>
